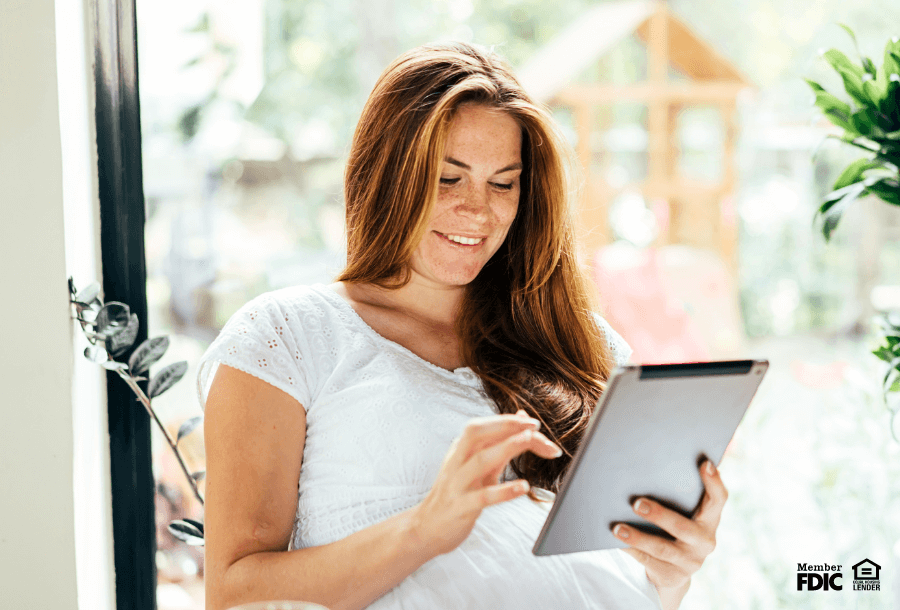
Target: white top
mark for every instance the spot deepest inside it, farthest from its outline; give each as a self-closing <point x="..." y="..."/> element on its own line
<point x="379" y="421"/>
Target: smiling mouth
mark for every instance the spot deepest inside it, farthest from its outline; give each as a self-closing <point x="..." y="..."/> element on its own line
<point x="462" y="241"/>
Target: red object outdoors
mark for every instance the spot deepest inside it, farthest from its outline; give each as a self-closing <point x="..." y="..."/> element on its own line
<point x="671" y="304"/>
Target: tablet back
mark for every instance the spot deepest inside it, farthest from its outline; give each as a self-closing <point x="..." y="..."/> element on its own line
<point x="651" y="429"/>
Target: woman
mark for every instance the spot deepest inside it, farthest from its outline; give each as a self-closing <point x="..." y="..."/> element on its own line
<point x="412" y="390"/>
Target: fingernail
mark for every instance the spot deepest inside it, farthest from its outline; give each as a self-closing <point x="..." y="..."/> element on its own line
<point x="558" y="452"/>
<point x="710" y="468"/>
<point x="642" y="507"/>
<point x="522" y="486"/>
<point x="619" y="531"/>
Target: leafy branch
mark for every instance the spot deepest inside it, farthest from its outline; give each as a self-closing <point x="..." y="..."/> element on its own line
<point x="112" y="329"/>
<point x="870" y="120"/>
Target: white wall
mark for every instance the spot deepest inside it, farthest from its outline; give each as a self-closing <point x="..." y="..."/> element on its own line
<point x="92" y="494"/>
<point x="46" y="436"/>
<point x="37" y="536"/>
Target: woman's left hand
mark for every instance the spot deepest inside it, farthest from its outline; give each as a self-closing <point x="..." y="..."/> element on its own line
<point x="670" y="564"/>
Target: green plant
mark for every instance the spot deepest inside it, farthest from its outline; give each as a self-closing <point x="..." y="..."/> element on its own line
<point x="870" y="121"/>
<point x="111" y="330"/>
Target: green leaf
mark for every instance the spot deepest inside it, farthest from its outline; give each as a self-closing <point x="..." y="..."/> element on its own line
<point x="188" y="427"/>
<point x="186" y="532"/>
<point x="96" y="354"/>
<point x="854" y="173"/>
<point x="893" y="371"/>
<point x="189" y="122"/>
<point x="889" y="193"/>
<point x="831" y="216"/>
<point x="865" y="122"/>
<point x="883" y="353"/>
<point x="868" y="66"/>
<point x="837" y="111"/>
<point x="113" y="318"/>
<point x="196" y="524"/>
<point x="119" y="343"/>
<point x="147" y="353"/>
<point x="88" y="293"/>
<point x="850" y="73"/>
<point x="166" y="378"/>
<point x="112" y="365"/>
<point x="874" y="91"/>
<point x="836" y="204"/>
<point x="891" y="62"/>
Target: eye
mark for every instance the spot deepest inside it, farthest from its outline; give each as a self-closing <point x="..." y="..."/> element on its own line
<point x="503" y="187"/>
<point x="449" y="181"/>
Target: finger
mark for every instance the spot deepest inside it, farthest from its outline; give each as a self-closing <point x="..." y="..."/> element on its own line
<point x="485" y="431"/>
<point x="688" y="531"/>
<point x="659" y="572"/>
<point x="495" y="457"/>
<point x="658" y="548"/>
<point x="495" y="494"/>
<point x="710" y="511"/>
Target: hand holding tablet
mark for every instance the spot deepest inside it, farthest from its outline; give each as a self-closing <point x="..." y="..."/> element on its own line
<point x="670" y="563"/>
<point x="652" y="428"/>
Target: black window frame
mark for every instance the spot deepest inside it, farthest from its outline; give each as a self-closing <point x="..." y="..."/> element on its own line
<point x="122" y="215"/>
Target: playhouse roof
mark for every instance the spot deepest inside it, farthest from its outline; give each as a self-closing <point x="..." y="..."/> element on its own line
<point x="597" y="30"/>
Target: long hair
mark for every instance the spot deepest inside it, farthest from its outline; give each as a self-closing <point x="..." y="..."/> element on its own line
<point x="526" y="325"/>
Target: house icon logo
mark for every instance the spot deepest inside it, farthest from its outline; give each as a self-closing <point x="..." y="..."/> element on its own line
<point x="866" y="576"/>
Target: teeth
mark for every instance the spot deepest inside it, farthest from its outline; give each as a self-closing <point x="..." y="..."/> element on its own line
<point x="466" y="241"/>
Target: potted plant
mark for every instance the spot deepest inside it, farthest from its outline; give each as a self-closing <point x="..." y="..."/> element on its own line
<point x="111" y="330"/>
<point x="869" y="117"/>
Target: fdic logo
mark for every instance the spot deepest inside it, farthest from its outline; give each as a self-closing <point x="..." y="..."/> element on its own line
<point x="825" y="577"/>
<point x="818" y="577"/>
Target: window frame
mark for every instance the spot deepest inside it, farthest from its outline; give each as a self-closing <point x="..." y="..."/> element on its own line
<point x="122" y="215"/>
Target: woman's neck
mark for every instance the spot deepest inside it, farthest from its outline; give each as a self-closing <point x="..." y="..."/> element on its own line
<point x="421" y="299"/>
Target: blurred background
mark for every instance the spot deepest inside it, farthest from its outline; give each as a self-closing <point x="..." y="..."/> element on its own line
<point x="703" y="163"/>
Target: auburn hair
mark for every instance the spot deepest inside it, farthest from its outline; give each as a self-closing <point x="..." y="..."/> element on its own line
<point x="526" y="325"/>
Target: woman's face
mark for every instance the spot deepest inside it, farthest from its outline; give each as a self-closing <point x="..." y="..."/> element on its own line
<point x="478" y="196"/>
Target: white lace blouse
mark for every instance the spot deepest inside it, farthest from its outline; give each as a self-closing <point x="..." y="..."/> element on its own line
<point x="379" y="421"/>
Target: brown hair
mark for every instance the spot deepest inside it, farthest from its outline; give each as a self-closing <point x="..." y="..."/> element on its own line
<point x="526" y="325"/>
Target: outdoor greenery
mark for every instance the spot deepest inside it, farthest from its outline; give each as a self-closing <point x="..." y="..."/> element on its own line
<point x="805" y="470"/>
<point x="870" y="121"/>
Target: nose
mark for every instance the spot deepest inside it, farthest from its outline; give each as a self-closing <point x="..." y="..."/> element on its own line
<point x="474" y="203"/>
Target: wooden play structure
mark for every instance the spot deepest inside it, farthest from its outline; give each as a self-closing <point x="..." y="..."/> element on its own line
<point x="682" y="72"/>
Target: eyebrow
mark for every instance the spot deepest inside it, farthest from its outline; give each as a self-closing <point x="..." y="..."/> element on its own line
<point x="458" y="163"/>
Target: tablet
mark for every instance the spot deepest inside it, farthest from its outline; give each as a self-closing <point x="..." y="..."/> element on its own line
<point x="651" y="429"/>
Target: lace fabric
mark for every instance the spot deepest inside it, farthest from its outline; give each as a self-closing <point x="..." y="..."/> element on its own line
<point x="380" y="420"/>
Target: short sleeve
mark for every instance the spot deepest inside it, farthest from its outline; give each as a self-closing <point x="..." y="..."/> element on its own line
<point x="620" y="349"/>
<point x="259" y="340"/>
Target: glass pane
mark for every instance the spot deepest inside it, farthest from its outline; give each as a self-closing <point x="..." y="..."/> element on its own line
<point x="248" y="109"/>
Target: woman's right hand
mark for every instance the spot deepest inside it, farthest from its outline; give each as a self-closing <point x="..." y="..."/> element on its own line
<point x="469" y="475"/>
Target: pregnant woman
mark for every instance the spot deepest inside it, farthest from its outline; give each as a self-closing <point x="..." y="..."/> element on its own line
<point x="395" y="439"/>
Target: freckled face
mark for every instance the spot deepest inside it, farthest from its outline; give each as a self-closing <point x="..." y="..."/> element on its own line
<point x="478" y="196"/>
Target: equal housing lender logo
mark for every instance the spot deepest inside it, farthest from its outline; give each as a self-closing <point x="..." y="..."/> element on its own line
<point x="827" y="577"/>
